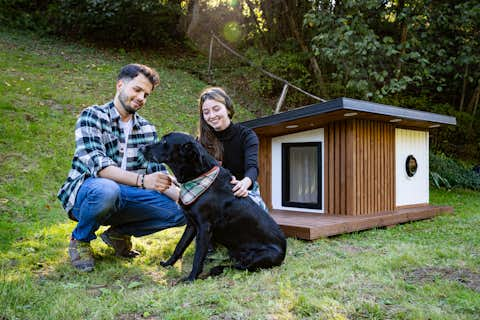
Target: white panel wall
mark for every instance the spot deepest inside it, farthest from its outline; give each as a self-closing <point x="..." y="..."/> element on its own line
<point x="411" y="190"/>
<point x="316" y="135"/>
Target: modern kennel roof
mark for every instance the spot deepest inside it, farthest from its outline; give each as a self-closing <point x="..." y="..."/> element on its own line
<point x="317" y="115"/>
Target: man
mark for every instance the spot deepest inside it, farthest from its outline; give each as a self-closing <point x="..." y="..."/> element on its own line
<point x="110" y="182"/>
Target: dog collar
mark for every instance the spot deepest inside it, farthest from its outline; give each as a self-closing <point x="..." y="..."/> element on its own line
<point x="191" y="190"/>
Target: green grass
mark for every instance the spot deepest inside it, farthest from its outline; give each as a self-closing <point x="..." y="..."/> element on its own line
<point x="421" y="270"/>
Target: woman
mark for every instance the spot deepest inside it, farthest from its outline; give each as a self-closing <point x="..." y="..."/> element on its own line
<point x="233" y="145"/>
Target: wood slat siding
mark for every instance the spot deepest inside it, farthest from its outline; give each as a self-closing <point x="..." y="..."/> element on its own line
<point x="265" y="169"/>
<point x="350" y="207"/>
<point x="329" y="191"/>
<point x="392" y="175"/>
<point x="359" y="167"/>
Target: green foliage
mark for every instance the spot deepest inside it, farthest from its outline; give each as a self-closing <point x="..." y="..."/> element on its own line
<point x="460" y="141"/>
<point x="24" y="14"/>
<point x="362" y="55"/>
<point x="287" y="63"/>
<point x="438" y="181"/>
<point x="451" y="45"/>
<point x="130" y="23"/>
<point x="450" y="173"/>
<point x="361" y="42"/>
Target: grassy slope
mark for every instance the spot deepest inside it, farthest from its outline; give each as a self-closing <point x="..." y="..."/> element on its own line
<point x="422" y="270"/>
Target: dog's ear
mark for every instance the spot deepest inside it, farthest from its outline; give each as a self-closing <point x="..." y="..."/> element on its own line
<point x="196" y="153"/>
<point x="190" y="151"/>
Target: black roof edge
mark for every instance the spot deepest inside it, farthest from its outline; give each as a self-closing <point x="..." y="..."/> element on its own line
<point x="350" y="104"/>
<point x="387" y="110"/>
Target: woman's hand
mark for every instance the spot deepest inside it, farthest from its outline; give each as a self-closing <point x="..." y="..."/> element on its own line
<point x="240" y="188"/>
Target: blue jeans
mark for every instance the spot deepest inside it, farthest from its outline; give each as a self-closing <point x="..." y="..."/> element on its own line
<point x="128" y="210"/>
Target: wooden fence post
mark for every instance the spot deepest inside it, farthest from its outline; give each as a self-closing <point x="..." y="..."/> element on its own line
<point x="209" y="73"/>
<point x="282" y="98"/>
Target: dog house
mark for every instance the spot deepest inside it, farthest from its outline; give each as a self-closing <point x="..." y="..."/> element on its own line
<point x="346" y="165"/>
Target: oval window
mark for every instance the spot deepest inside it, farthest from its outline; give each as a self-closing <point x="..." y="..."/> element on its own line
<point x="411" y="166"/>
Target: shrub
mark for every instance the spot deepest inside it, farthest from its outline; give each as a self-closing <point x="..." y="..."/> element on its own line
<point x="130" y="23"/>
<point x="24" y="14"/>
<point x="447" y="172"/>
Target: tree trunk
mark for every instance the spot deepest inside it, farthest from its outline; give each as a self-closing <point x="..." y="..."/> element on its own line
<point x="185" y="21"/>
<point x="194" y="15"/>
<point x="403" y="39"/>
<point x="251" y="7"/>
<point x="475" y="106"/>
<point x="266" y="7"/>
<point x="464" y="88"/>
<point x="472" y="105"/>
<point x="313" y="61"/>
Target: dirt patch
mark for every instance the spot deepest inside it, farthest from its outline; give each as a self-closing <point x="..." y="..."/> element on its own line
<point x="135" y="316"/>
<point x="12" y="156"/>
<point x="52" y="104"/>
<point x="226" y="316"/>
<point x="157" y="277"/>
<point x="464" y="276"/>
<point x="353" y="249"/>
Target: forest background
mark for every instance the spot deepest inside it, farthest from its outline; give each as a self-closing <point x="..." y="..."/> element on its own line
<point x="419" y="54"/>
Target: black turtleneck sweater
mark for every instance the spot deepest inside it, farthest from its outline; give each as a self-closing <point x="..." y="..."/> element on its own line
<point x="240" y="151"/>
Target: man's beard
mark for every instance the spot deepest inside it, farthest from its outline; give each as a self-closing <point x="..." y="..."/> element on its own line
<point x="123" y="98"/>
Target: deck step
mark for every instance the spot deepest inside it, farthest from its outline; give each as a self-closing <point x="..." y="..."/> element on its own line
<point x="311" y="226"/>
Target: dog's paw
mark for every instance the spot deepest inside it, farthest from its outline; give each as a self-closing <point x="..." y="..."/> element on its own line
<point x="166" y="263"/>
<point x="187" y="280"/>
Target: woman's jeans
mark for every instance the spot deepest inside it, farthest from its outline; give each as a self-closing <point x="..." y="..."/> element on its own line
<point x="128" y="210"/>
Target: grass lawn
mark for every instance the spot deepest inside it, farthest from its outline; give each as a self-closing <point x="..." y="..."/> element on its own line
<point x="421" y="270"/>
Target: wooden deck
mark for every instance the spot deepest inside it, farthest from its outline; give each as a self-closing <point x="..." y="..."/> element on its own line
<point x="311" y="226"/>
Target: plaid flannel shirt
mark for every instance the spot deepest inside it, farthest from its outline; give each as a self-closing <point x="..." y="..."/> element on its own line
<point x="98" y="140"/>
<point x="191" y="190"/>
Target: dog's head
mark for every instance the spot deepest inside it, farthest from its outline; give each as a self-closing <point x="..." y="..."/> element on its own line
<point x="182" y="153"/>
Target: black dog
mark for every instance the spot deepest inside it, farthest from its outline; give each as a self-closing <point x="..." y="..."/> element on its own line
<point x="251" y="236"/>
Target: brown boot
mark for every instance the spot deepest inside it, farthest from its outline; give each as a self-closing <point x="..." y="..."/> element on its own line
<point x="81" y="255"/>
<point x="121" y="243"/>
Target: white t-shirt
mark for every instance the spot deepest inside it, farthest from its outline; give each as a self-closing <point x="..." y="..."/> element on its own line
<point x="127" y="129"/>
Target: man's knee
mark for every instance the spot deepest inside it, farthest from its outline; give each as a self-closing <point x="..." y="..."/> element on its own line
<point x="104" y="191"/>
<point x="170" y="211"/>
<point x="178" y="217"/>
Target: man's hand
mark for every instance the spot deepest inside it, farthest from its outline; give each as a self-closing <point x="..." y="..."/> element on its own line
<point x="157" y="181"/>
<point x="241" y="187"/>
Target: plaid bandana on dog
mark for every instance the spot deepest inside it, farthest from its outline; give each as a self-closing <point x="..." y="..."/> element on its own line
<point x="191" y="190"/>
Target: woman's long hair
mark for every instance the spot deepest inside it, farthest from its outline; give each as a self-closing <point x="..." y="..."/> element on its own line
<point x="205" y="132"/>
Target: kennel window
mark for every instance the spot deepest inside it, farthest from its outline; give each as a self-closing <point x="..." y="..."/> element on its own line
<point x="302" y="175"/>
